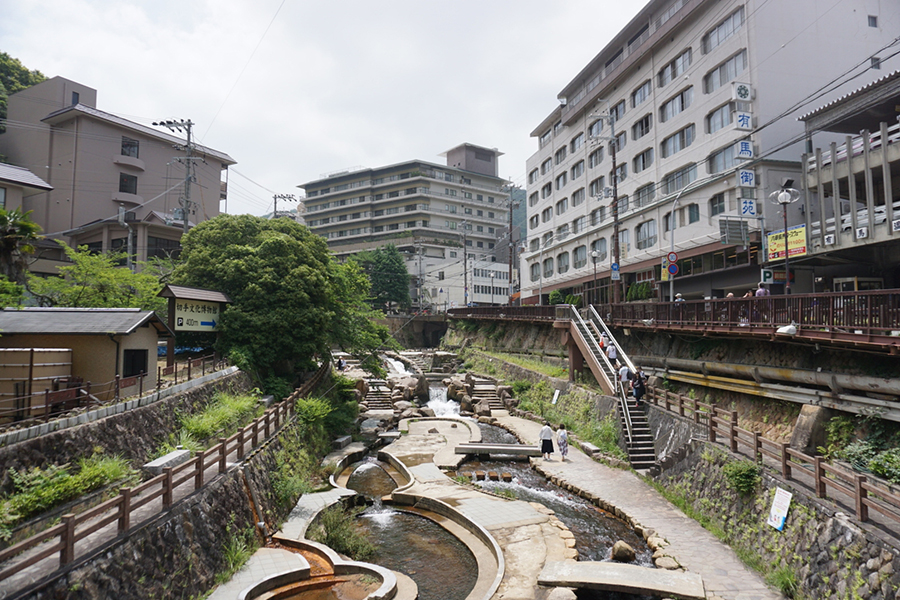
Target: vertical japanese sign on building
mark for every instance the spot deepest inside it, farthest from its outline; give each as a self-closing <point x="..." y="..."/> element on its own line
<point x="196" y="315"/>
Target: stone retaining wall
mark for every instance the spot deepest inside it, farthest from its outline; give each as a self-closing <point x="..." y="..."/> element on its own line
<point x="134" y="434"/>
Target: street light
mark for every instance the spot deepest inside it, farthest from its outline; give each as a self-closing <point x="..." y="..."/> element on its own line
<point x="492" y="288"/>
<point x="785" y="196"/>
<point x="594" y="256"/>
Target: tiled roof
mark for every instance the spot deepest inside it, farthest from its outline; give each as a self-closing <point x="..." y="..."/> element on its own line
<point x="191" y="293"/>
<point x="77" y="321"/>
<point x="62" y="114"/>
<point x="23" y="177"/>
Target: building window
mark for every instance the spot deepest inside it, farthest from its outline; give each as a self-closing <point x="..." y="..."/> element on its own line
<point x="562" y="232"/>
<point x="76" y="98"/>
<point x="577" y="142"/>
<point x="3" y="198"/>
<point x="134" y="362"/>
<point x="561" y="181"/>
<point x="875" y="62"/>
<point x="533" y="176"/>
<point x="479" y="213"/>
<point x="545" y="137"/>
<point x="677" y="141"/>
<point x="595" y="128"/>
<point x="535" y="271"/>
<point x="127" y="183"/>
<point x="676" y="105"/>
<point x="599" y="246"/>
<point x="725" y="72"/>
<point x="578" y="169"/>
<point x="723" y="30"/>
<point x="597" y="215"/>
<point x="622" y="204"/>
<point x="640" y="94"/>
<point x="644" y="195"/>
<point x="722" y="160"/>
<point x="717" y="205"/>
<point x="596" y="187"/>
<point x="676" y="68"/>
<point x="562" y="263"/>
<point x="562" y="206"/>
<point x="621" y="172"/>
<point x="693" y="211"/>
<point x="595" y="158"/>
<point x="130" y="147"/>
<point x="546" y="166"/>
<point x="645" y="234"/>
<point x="162" y="248"/>
<point x="548" y="267"/>
<point x="547" y="190"/>
<point x="619" y="142"/>
<point x="617" y="111"/>
<point x="546" y="214"/>
<point x="718" y="119"/>
<point x="676" y="180"/>
<point x="873" y="21"/>
<point x="641" y="127"/>
<point x="547" y="237"/>
<point x="642" y="160"/>
<point x="534" y="221"/>
<point x="579" y="256"/>
<point x="533" y="199"/>
<point x="624" y="240"/>
<point x="577" y="197"/>
<point x="560" y="155"/>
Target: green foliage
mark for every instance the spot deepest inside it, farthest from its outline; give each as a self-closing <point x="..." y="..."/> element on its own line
<point x="239" y="547"/>
<point x="785" y="580"/>
<point x="11" y="294"/>
<point x="840" y="430"/>
<point x="887" y="465"/>
<point x="857" y="454"/>
<point x="14" y="77"/>
<point x="532" y="364"/>
<point x="639" y="291"/>
<point x="97" y="281"/>
<point x="605" y="435"/>
<point x="555" y="297"/>
<point x="312" y="412"/>
<point x="520" y="386"/>
<point x="38" y="490"/>
<point x="334" y="528"/>
<point x="279" y="387"/>
<point x="389" y="277"/>
<point x="742" y="476"/>
<point x="224" y="413"/>
<point x="17" y="234"/>
<point x="291" y="301"/>
<point x="573" y="300"/>
<point x="507" y="493"/>
<point x="344" y="406"/>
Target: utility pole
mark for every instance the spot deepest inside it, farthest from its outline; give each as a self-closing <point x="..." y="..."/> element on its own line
<point x="617" y="285"/>
<point x="188" y="163"/>
<point x="278" y="197"/>
<point x="465" y="266"/>
<point x="509" y="288"/>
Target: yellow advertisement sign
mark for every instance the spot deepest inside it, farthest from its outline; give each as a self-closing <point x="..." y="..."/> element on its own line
<point x="796" y="243"/>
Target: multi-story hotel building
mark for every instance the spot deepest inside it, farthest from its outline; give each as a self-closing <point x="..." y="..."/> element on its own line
<point x="431" y="213"/>
<point x="699" y="99"/>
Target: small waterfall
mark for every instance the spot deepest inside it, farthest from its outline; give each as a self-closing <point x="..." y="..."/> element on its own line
<point x="397" y="366"/>
<point x="439" y="403"/>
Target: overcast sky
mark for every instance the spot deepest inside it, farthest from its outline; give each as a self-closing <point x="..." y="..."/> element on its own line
<point x="294" y="89"/>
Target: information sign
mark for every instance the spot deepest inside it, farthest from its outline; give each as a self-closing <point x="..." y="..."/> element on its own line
<point x="780" y="505"/>
<point x="614" y="266"/>
<point x="196" y="315"/>
<point x="672" y="257"/>
<point x="673" y="269"/>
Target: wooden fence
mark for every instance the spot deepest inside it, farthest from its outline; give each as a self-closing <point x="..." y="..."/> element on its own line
<point x="722" y="425"/>
<point x="75" y="528"/>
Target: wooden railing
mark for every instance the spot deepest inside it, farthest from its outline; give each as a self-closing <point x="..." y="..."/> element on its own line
<point x="723" y="425"/>
<point x="75" y="528"/>
<point x="513" y="313"/>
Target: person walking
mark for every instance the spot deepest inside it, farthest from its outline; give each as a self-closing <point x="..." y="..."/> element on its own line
<point x="639" y="386"/>
<point x="562" y="440"/>
<point x="546" y="437"/>
<point x="611" y="353"/>
<point x="625" y="378"/>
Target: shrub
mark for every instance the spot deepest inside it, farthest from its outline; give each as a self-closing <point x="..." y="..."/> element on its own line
<point x="520" y="386"/>
<point x="857" y="454"/>
<point x="555" y="297"/>
<point x="224" y="412"/>
<point x="887" y="464"/>
<point x="742" y="476"/>
<point x="785" y="580"/>
<point x="334" y="528"/>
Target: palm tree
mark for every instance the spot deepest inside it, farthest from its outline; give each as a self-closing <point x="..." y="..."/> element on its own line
<point x="17" y="234"/>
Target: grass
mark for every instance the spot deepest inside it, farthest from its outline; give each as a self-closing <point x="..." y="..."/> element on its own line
<point x="532" y="364"/>
<point x="224" y="412"/>
<point x="785" y="579"/>
<point x="334" y="528"/>
<point x="238" y="549"/>
<point x="39" y="490"/>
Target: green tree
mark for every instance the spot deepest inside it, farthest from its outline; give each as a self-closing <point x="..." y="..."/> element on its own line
<point x="389" y="277"/>
<point x="290" y="301"/>
<point x="17" y="236"/>
<point x="14" y="76"/>
<point x="97" y="281"/>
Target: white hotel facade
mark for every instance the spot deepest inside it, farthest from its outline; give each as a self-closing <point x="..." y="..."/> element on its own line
<point x="690" y="84"/>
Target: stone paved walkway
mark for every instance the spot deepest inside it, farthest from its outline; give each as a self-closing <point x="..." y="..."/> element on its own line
<point x="696" y="549"/>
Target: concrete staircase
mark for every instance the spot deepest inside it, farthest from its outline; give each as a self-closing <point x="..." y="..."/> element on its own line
<point x="420" y="362"/>
<point x="641" y="452"/>
<point x="485" y="390"/>
<point x="379" y="396"/>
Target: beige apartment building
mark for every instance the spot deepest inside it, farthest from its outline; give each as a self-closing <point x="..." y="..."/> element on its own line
<point x="699" y="99"/>
<point x="111" y="178"/>
<point x="450" y="221"/>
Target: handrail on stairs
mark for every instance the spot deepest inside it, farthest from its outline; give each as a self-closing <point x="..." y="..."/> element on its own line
<point x="575" y="316"/>
<point x="606" y="330"/>
<point x="625" y="412"/>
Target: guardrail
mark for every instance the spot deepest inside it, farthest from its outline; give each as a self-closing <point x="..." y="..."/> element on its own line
<point x="75" y="528"/>
<point x="866" y="495"/>
<point x="512" y="313"/>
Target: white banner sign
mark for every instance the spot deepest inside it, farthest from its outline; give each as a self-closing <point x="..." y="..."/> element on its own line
<point x="780" y="505"/>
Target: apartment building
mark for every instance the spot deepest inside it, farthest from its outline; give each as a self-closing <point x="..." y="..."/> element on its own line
<point x="857" y="179"/>
<point x="100" y="165"/>
<point x="450" y="221"/>
<point x="697" y="103"/>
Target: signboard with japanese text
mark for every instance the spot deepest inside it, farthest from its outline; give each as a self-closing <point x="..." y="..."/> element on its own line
<point x="743" y="150"/>
<point x="796" y="243"/>
<point x="664" y="272"/>
<point x="743" y="121"/>
<point x="195" y="315"/>
<point x="746" y="178"/>
<point x="748" y="207"/>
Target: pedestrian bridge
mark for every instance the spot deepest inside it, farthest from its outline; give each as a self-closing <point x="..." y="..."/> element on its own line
<point x="622" y="578"/>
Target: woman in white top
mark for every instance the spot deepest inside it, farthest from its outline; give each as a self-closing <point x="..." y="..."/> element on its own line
<point x="546" y="437"/>
<point x="611" y="353"/>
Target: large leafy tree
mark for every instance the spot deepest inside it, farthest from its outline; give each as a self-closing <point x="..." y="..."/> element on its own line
<point x="17" y="236"/>
<point x="14" y="76"/>
<point x="97" y="281"/>
<point x="291" y="301"/>
<point x="389" y="277"/>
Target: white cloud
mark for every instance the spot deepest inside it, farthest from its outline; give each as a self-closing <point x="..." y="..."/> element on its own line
<point x="332" y="84"/>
